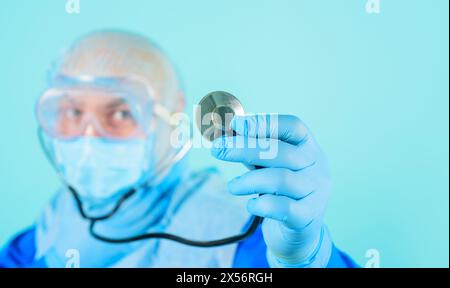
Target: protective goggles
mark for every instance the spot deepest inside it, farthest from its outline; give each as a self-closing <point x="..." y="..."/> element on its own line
<point x="113" y="108"/>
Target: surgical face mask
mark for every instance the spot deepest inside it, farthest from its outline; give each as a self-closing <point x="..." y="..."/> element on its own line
<point x="99" y="169"/>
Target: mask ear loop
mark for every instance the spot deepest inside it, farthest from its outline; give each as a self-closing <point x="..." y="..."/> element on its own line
<point x="172" y="157"/>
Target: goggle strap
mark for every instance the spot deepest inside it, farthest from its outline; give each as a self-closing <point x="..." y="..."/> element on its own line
<point x="162" y="112"/>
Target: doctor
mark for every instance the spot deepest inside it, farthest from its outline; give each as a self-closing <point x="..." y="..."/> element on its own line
<point x="104" y="127"/>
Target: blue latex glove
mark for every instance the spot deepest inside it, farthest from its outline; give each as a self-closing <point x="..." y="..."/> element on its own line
<point x="293" y="182"/>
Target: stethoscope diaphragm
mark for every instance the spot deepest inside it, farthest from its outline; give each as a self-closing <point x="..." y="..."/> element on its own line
<point x="215" y="112"/>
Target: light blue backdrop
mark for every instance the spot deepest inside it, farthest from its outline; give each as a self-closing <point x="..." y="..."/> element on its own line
<point x="373" y="87"/>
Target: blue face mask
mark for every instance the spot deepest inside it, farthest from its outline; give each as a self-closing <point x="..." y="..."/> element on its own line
<point x="100" y="169"/>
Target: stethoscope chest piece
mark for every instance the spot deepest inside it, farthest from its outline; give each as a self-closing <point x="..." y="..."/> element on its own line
<point x="215" y="112"/>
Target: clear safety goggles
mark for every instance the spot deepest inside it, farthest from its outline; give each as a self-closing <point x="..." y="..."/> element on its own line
<point x="114" y="108"/>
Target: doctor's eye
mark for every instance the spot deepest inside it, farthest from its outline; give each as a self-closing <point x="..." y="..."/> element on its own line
<point x="72" y="113"/>
<point x="122" y="115"/>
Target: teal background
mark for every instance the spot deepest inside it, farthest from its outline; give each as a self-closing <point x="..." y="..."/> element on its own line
<point x="372" y="87"/>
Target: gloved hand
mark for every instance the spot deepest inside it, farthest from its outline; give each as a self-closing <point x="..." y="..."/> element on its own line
<point x="293" y="182"/>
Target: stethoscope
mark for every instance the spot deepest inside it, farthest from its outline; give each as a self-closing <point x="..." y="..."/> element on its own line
<point x="212" y="114"/>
